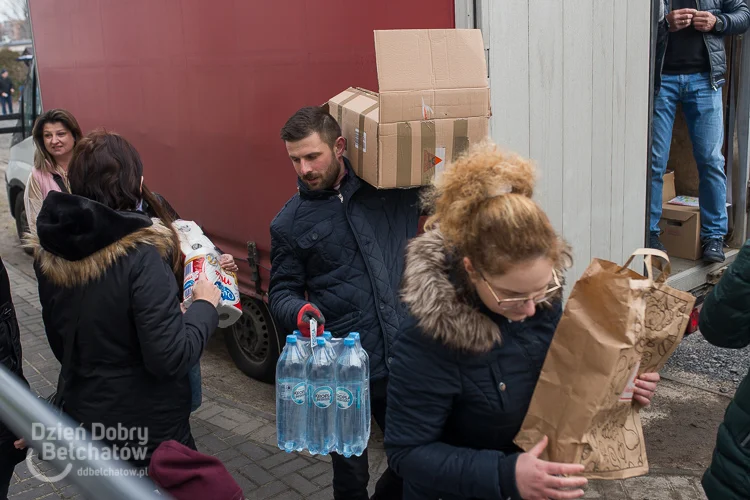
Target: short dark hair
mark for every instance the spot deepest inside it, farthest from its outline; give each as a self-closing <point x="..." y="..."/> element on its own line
<point x="106" y="168"/>
<point x="309" y="120"/>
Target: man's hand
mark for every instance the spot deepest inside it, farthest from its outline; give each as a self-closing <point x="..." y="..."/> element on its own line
<point x="304" y="316"/>
<point x="681" y="18"/>
<point x="704" y="21"/>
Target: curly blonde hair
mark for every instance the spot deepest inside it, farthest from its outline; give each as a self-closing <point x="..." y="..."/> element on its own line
<point x="484" y="208"/>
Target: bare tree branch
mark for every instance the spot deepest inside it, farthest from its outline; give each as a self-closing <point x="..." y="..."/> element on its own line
<point x="15" y="9"/>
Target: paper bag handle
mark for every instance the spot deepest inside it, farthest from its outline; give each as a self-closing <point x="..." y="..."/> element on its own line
<point x="648" y="253"/>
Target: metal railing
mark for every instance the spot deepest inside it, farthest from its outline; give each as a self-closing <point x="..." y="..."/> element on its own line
<point x="21" y="411"/>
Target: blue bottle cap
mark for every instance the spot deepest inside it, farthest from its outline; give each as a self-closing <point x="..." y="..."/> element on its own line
<point x="327" y="335"/>
<point x="291" y="339"/>
<point x="321" y="341"/>
<point x="349" y="342"/>
<point x="296" y="332"/>
<point x="354" y="335"/>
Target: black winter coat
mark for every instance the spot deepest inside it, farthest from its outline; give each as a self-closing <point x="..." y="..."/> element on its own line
<point x="133" y="345"/>
<point x="736" y="17"/>
<point x="461" y="383"/>
<point x="10" y="345"/>
<point x="344" y="249"/>
<point x="725" y="322"/>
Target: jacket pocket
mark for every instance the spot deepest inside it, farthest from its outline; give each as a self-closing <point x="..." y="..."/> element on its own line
<point x="317" y="233"/>
<point x="342" y="326"/>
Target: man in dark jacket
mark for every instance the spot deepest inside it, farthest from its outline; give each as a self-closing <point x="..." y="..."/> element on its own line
<point x="337" y="254"/>
<point x="691" y="68"/>
<point x="725" y="322"/>
<point x="6" y="91"/>
<point x="12" y="359"/>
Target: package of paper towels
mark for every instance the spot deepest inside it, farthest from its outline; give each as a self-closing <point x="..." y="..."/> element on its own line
<point x="201" y="256"/>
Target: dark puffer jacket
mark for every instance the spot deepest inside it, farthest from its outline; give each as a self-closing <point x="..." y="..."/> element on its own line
<point x="344" y="249"/>
<point x="725" y="322"/>
<point x="736" y="17"/>
<point x="10" y="346"/>
<point x="461" y="383"/>
<point x="133" y="345"/>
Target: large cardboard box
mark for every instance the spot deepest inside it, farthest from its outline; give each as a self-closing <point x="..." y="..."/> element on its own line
<point x="433" y="103"/>
<point x="681" y="228"/>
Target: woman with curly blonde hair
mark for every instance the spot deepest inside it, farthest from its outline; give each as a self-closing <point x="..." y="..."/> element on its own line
<point x="483" y="288"/>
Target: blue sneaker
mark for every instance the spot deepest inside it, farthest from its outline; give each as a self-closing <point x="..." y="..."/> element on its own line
<point x="713" y="250"/>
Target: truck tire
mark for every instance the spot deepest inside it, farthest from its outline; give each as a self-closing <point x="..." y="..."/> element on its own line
<point x="22" y="223"/>
<point x="253" y="341"/>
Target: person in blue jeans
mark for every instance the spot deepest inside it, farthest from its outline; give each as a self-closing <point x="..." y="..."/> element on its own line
<point x="691" y="67"/>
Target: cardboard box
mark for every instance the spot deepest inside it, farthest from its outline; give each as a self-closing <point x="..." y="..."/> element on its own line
<point x="681" y="228"/>
<point x="433" y="104"/>
<point x="668" y="190"/>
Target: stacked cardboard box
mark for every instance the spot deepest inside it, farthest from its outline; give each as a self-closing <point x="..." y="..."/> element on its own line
<point x="680" y="225"/>
<point x="433" y="104"/>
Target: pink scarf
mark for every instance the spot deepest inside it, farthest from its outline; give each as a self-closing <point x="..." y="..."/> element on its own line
<point x="45" y="181"/>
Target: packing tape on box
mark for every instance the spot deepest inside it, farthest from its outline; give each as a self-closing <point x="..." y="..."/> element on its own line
<point x="403" y="154"/>
<point x="362" y="145"/>
<point x="460" y="138"/>
<point x="428" y="151"/>
<point x="339" y="115"/>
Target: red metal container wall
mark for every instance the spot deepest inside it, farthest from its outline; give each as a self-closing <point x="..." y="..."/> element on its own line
<point x="202" y="89"/>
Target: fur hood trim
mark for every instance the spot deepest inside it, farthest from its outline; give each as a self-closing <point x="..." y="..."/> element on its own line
<point x="69" y="274"/>
<point x="441" y="310"/>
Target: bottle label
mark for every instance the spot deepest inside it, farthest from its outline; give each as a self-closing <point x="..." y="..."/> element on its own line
<point x="323" y="397"/>
<point x="344" y="397"/>
<point x="299" y="392"/>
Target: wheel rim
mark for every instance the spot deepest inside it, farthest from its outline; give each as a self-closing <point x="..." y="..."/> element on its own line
<point x="252" y="331"/>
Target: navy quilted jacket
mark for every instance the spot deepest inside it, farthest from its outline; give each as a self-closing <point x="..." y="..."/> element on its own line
<point x="461" y="382"/>
<point x="345" y="251"/>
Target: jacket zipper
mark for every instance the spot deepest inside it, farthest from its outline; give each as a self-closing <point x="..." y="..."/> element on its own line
<point x="372" y="282"/>
<point x="708" y="52"/>
<point x="341" y="197"/>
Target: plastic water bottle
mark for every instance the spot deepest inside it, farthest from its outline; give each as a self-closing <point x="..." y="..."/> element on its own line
<point x="291" y="392"/>
<point x="303" y="343"/>
<point x="351" y="377"/>
<point x="366" y="391"/>
<point x="321" y="400"/>
<point x="337" y="345"/>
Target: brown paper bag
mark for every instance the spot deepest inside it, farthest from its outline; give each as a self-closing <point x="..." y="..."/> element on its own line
<point x="616" y="324"/>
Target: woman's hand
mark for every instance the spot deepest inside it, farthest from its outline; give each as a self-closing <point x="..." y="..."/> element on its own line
<point x="20" y="444"/>
<point x="539" y="480"/>
<point x="205" y="290"/>
<point x="228" y="264"/>
<point x="645" y="387"/>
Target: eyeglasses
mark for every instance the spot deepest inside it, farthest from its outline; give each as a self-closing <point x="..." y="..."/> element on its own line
<point x="517" y="303"/>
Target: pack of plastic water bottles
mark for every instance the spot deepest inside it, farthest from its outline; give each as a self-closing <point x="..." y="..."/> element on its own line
<point x="323" y="395"/>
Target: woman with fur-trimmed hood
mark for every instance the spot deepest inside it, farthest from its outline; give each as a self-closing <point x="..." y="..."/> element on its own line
<point x="483" y="287"/>
<point x="106" y="275"/>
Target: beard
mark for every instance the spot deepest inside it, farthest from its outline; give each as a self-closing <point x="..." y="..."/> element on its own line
<point x="326" y="180"/>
